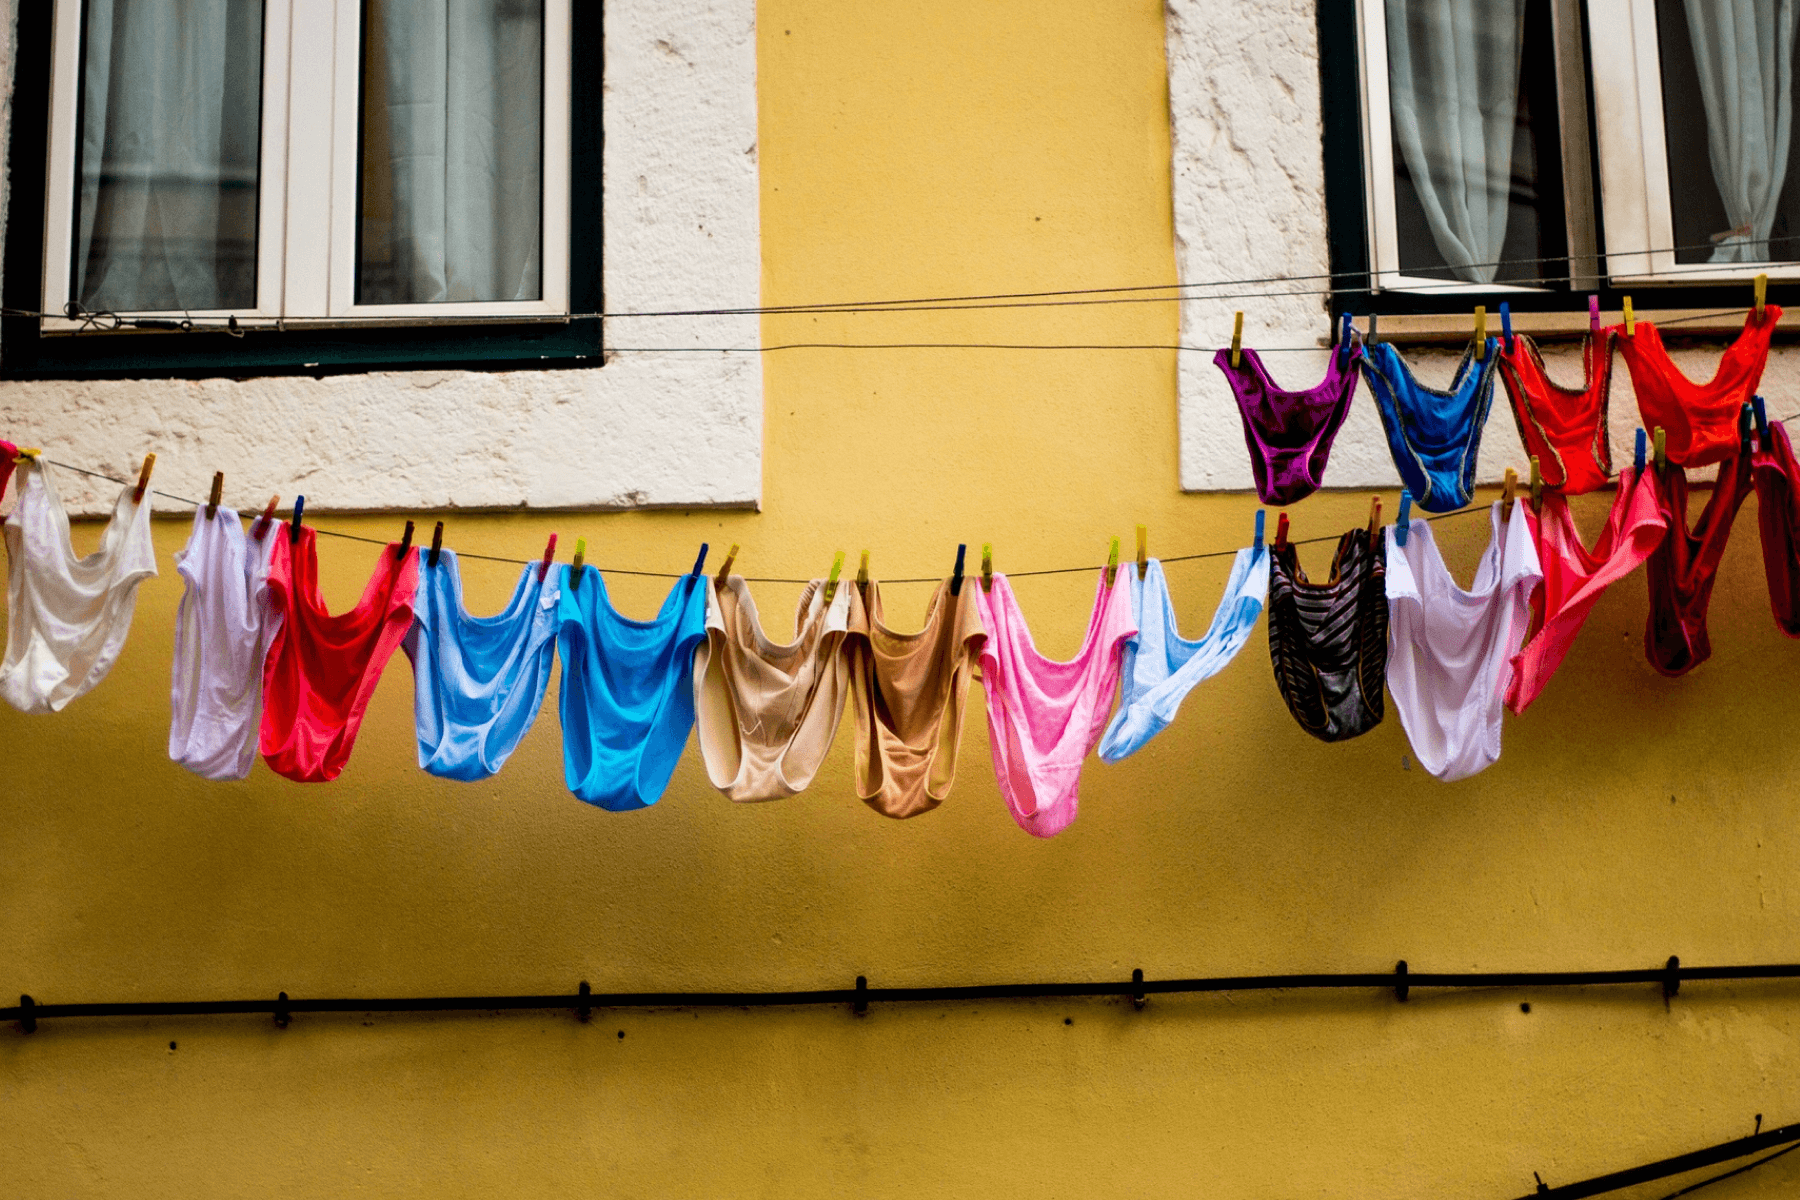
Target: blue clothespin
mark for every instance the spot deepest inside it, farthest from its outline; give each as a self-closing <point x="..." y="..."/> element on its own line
<point x="1762" y="422"/>
<point x="1637" y="454"/>
<point x="294" y="522"/>
<point x="1506" y="324"/>
<point x="1404" y="524"/>
<point x="1746" y="423"/>
<point x="1343" y="346"/>
<point x="700" y="563"/>
<point x="1261" y="516"/>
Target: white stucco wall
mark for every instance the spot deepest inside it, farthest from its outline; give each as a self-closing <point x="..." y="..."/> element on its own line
<point x="644" y="429"/>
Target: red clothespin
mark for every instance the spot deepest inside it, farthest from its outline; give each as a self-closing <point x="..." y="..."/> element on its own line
<point x="1281" y="528"/>
<point x="263" y="522"/>
<point x="549" y="555"/>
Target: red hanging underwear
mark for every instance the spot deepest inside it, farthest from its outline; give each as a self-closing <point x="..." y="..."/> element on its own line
<point x="1700" y="419"/>
<point x="1777" y="478"/>
<point x="1683" y="568"/>
<point x="1564" y="427"/>
<point x="321" y="668"/>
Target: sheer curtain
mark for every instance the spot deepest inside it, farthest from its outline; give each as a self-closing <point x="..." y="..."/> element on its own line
<point x="171" y="112"/>
<point x="1744" y="50"/>
<point x="1453" y="86"/>
<point x="452" y="148"/>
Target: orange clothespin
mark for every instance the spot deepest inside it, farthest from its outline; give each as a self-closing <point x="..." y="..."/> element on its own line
<point x="1508" y="493"/>
<point x="725" y="567"/>
<point x="218" y="489"/>
<point x="143" y="482"/>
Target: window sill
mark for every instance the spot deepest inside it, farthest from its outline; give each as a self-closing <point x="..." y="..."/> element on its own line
<point x="1455" y="329"/>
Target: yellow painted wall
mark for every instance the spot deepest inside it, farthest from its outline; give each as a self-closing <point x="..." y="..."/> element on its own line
<point x="924" y="149"/>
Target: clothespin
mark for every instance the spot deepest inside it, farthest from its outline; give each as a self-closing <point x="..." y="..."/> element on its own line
<point x="437" y="545"/>
<point x="1661" y="445"/>
<point x="837" y="565"/>
<point x="1237" y="338"/>
<point x="1637" y="453"/>
<point x="575" y="564"/>
<point x="294" y="521"/>
<point x="956" y="576"/>
<point x="27" y="454"/>
<point x="549" y="557"/>
<point x="862" y="571"/>
<point x="218" y="489"/>
<point x="987" y="566"/>
<point x="1404" y="525"/>
<point x="405" y="544"/>
<point x="137" y="497"/>
<point x="1281" y="528"/>
<point x="1506" y="324"/>
<point x="263" y="522"/>
<point x="1593" y="314"/>
<point x="1374" y="519"/>
<point x="700" y="562"/>
<point x="1261" y="517"/>
<point x="1143" y="555"/>
<point x="1746" y="424"/>
<point x="1762" y="421"/>
<point x="1630" y="319"/>
<point x="1370" y="339"/>
<point x="1762" y="294"/>
<point x="1112" y="562"/>
<point x="725" y="567"/>
<point x="1509" y="492"/>
<point x="1537" y="485"/>
<point x="1480" y="333"/>
<point x="1343" y="341"/>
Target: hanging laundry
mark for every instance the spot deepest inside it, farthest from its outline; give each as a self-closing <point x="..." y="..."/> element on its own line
<point x="1044" y="715"/>
<point x="1289" y="434"/>
<point x="1700" y="420"/>
<point x="767" y="712"/>
<point x="1685" y="564"/>
<point x="1564" y="427"/>
<point x="1161" y="667"/>
<point x="478" y="682"/>
<point x="627" y="697"/>
<point x="1433" y="435"/>
<point x="1450" y="651"/>
<point x="909" y="692"/>
<point x="1777" y="480"/>
<point x="67" y="617"/>
<point x="322" y="667"/>
<point x="9" y="454"/>
<point x="1328" y="641"/>
<point x="224" y="626"/>
<point x="1576" y="577"/>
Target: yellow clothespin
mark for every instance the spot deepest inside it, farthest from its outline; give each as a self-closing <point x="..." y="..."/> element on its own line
<point x="862" y="572"/>
<point x="575" y="564"/>
<point x="1112" y="562"/>
<point x="1662" y="447"/>
<point x="1143" y="556"/>
<point x="987" y="566"/>
<point x="1237" y="338"/>
<point x="27" y="454"/>
<point x="212" y="503"/>
<point x="1509" y="492"/>
<point x="143" y="482"/>
<point x="1762" y="294"/>
<point x="837" y="565"/>
<point x="1630" y="320"/>
<point x="725" y="567"/>
<point x="1537" y="485"/>
<point x="1480" y="332"/>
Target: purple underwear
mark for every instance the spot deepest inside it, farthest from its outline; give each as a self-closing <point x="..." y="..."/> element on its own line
<point x="1289" y="433"/>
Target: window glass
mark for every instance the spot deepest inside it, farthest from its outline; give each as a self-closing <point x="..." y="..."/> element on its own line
<point x="1728" y="106"/>
<point x="1477" y="160"/>
<point x="167" y="162"/>
<point x="450" y="202"/>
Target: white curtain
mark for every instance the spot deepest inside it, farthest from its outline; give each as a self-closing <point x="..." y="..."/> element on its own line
<point x="166" y="208"/>
<point x="1744" y="50"/>
<point x="1453" y="85"/>
<point x="453" y="140"/>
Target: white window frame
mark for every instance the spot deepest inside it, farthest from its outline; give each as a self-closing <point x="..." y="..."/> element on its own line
<point x="307" y="195"/>
<point x="1634" y="158"/>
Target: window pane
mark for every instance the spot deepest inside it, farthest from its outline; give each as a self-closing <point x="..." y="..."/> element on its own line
<point x="1728" y="108"/>
<point x="1477" y="160"/>
<point x="171" y="111"/>
<point x="452" y="146"/>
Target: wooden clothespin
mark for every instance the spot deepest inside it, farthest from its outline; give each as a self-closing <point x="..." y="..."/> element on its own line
<point x="1143" y="533"/>
<point x="1112" y="562"/>
<point x="837" y="566"/>
<point x="1369" y="339"/>
<point x="1261" y="518"/>
<point x="862" y="571"/>
<point x="1281" y="528"/>
<point x="1506" y="324"/>
<point x="1237" y="338"/>
<point x="700" y="562"/>
<point x="1762" y="294"/>
<point x="1661" y="444"/>
<point x="1630" y="319"/>
<point x="143" y="482"/>
<point x="549" y="557"/>
<point x="725" y="567"/>
<point x="1509" y="492"/>
<point x="1480" y="333"/>
<point x="294" y="521"/>
<point x="1762" y="421"/>
<point x="956" y="576"/>
<point x="437" y="545"/>
<point x="1374" y="519"/>
<point x="575" y="564"/>
<point x="1537" y="485"/>
<point x="987" y="566"/>
<point x="261" y="527"/>
<point x="1593" y="314"/>
<point x="405" y="544"/>
<point x="1404" y="525"/>
<point x="218" y="489"/>
<point x="1637" y="452"/>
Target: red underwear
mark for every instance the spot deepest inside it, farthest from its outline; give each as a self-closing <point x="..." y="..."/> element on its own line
<point x="1683" y="567"/>
<point x="1564" y="427"/>
<point x="1700" y="419"/>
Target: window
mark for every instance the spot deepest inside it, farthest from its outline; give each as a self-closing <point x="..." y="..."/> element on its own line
<point x="305" y="184"/>
<point x="1461" y="157"/>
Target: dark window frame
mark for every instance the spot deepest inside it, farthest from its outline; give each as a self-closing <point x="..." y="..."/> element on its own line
<point x="493" y="345"/>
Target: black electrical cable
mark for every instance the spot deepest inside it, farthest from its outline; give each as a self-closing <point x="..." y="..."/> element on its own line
<point x="1681" y="1164"/>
